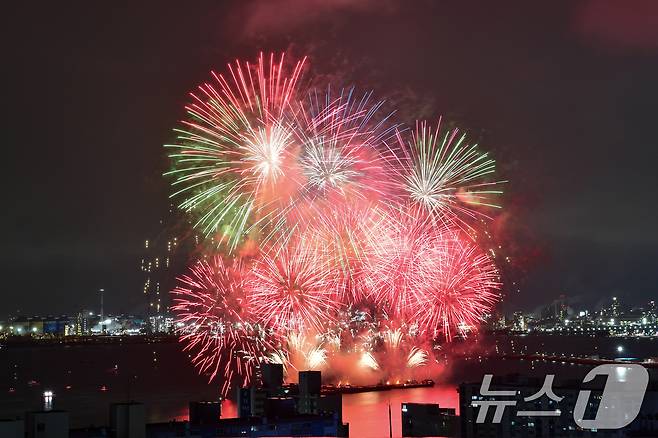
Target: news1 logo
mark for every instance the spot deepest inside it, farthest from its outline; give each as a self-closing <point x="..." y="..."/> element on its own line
<point x="619" y="405"/>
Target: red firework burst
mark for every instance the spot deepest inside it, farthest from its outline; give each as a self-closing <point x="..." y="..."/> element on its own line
<point x="215" y="322"/>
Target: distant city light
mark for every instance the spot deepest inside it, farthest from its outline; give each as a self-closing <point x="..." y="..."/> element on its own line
<point x="48" y="400"/>
<point x="620" y="348"/>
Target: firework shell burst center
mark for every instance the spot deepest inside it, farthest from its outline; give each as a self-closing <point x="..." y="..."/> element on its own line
<point x="338" y="234"/>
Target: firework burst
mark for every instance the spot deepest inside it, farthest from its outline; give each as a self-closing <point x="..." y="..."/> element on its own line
<point x="461" y="291"/>
<point x="344" y="235"/>
<point x="341" y="153"/>
<point x="215" y="322"/>
<point x="443" y="177"/>
<point x="357" y="239"/>
<point x="292" y="290"/>
<point x="232" y="158"/>
<point x="400" y="259"/>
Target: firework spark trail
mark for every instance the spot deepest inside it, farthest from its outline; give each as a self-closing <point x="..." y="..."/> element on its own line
<point x="392" y="351"/>
<point x="299" y="354"/>
<point x="368" y="361"/>
<point x="416" y="358"/>
<point x="215" y="321"/>
<point x="443" y="177"/>
<point x="231" y="153"/>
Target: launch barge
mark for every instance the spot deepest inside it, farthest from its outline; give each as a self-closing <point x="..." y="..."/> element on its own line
<point x="384" y="386"/>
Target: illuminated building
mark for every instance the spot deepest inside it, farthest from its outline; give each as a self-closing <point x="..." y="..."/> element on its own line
<point x="82" y="323"/>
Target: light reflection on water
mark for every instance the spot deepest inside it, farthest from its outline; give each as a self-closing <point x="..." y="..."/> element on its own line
<point x="367" y="412"/>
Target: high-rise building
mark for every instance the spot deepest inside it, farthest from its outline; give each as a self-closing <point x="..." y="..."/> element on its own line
<point x="519" y="322"/>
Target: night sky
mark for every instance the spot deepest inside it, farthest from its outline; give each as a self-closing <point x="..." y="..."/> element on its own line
<point x="565" y="96"/>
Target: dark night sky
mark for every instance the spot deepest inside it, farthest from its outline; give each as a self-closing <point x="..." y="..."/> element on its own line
<point x="565" y="97"/>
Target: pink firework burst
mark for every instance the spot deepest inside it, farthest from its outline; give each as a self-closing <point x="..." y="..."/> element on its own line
<point x="463" y="288"/>
<point x="400" y="260"/>
<point x="344" y="236"/>
<point x="215" y="322"/>
<point x="292" y="289"/>
<point x="341" y="138"/>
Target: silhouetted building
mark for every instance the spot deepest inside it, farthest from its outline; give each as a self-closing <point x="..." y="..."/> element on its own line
<point x="427" y="419"/>
<point x="12" y="429"/>
<point x="331" y="404"/>
<point x="205" y="412"/>
<point x="310" y="385"/>
<point x="280" y="407"/>
<point x="301" y="425"/>
<point x="251" y="402"/>
<point x="272" y="375"/>
<point x="128" y="420"/>
<point x="285" y="410"/>
<point x="47" y="424"/>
